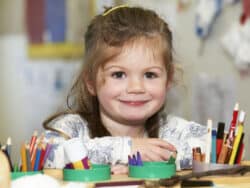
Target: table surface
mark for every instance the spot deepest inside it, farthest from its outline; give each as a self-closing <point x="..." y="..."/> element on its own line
<point x="219" y="181"/>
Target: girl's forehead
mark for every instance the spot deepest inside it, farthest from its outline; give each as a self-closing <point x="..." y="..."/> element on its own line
<point x="142" y="49"/>
<point x="152" y="43"/>
<point x="151" y="48"/>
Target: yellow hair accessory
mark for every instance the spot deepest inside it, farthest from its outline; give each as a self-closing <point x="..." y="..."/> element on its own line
<point x="114" y="8"/>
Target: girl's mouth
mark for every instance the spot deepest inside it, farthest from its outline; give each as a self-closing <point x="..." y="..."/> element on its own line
<point x="134" y="103"/>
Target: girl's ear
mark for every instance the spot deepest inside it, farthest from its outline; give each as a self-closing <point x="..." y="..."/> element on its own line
<point x="90" y="86"/>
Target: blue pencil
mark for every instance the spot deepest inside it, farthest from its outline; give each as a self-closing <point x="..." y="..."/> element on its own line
<point x="37" y="160"/>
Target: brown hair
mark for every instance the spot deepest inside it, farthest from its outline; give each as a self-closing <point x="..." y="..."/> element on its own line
<point x="105" y="37"/>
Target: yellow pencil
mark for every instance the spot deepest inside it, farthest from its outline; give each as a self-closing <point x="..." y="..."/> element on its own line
<point x="23" y="158"/>
<point x="238" y="136"/>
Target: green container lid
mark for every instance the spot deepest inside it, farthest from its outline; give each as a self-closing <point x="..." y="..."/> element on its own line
<point x="15" y="175"/>
<point x="97" y="172"/>
<point x="153" y="170"/>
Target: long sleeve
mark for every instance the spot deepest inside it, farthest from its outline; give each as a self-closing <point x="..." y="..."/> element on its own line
<point x="105" y="150"/>
<point x="184" y="135"/>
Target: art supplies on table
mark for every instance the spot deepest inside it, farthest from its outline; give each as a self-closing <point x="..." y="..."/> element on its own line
<point x="223" y="149"/>
<point x="78" y="167"/>
<point x="33" y="155"/>
<point x="76" y="154"/>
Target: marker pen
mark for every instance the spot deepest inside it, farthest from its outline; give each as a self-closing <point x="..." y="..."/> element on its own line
<point x="219" y="137"/>
<point x="8" y="146"/>
<point x="213" y="153"/>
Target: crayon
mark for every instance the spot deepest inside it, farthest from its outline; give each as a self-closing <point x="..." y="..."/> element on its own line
<point x="139" y="160"/>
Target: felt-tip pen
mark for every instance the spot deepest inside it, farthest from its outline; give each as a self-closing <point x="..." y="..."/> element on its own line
<point x="213" y="153"/>
<point x="219" y="138"/>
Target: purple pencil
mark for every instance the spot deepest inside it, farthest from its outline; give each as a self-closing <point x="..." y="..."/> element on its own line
<point x="47" y="151"/>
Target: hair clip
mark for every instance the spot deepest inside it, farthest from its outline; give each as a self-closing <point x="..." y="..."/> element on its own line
<point x="113" y="8"/>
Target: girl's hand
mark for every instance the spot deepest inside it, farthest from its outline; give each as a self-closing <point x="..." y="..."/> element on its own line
<point x="153" y="149"/>
<point x="119" y="169"/>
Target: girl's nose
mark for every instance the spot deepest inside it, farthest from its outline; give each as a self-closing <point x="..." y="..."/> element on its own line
<point x="135" y="85"/>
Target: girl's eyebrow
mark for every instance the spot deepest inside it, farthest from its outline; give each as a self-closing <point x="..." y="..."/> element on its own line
<point x="155" y="67"/>
<point x="121" y="67"/>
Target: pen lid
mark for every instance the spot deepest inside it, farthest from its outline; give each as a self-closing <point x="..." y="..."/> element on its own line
<point x="209" y="124"/>
<point x="220" y="130"/>
<point x="242" y="116"/>
<point x="214" y="133"/>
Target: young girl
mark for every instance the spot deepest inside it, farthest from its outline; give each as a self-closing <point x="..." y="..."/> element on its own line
<point x="115" y="104"/>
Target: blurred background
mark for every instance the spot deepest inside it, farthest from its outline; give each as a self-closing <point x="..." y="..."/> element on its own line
<point x="41" y="49"/>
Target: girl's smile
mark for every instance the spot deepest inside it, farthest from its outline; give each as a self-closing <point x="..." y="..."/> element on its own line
<point x="134" y="103"/>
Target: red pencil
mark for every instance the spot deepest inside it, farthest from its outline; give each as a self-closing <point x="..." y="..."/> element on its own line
<point x="33" y="142"/>
<point x="43" y="151"/>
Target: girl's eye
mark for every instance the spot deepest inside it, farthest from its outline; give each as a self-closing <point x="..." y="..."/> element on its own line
<point x="150" y="75"/>
<point x="118" y="74"/>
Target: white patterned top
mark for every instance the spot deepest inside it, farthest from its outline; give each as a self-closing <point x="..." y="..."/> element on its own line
<point x="183" y="134"/>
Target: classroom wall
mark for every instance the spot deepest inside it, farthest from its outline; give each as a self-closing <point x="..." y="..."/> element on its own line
<point x="9" y="97"/>
<point x="214" y="62"/>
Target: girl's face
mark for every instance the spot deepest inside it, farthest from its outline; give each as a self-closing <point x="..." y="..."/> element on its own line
<point x="132" y="87"/>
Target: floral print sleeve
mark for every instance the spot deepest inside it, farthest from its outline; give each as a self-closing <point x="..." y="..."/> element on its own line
<point x="184" y="135"/>
<point x="105" y="150"/>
